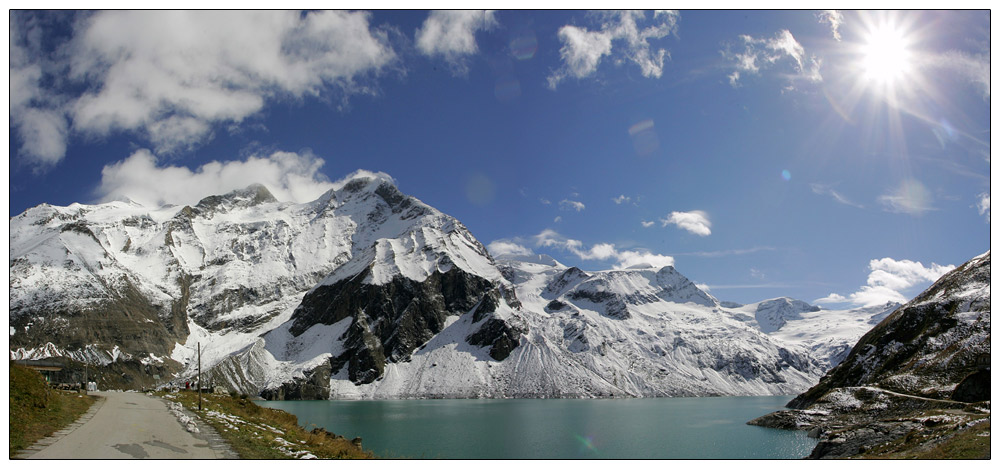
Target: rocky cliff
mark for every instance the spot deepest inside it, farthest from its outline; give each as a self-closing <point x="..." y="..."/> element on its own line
<point x="914" y="382"/>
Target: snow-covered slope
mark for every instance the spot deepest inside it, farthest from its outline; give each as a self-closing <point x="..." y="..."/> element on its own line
<point x="636" y="332"/>
<point x="366" y="292"/>
<point x="828" y="335"/>
<point x="925" y="347"/>
<point x="220" y="273"/>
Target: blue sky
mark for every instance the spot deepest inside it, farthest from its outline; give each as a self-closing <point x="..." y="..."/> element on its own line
<point x="838" y="157"/>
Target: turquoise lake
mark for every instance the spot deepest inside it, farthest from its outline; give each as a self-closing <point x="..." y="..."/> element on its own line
<point x="669" y="428"/>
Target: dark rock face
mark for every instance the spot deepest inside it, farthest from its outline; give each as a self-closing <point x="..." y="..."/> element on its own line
<point x="886" y="397"/>
<point x="501" y="336"/>
<point x="974" y="388"/>
<point x="901" y="342"/>
<point x="122" y="317"/>
<point x="393" y="319"/>
<point x="614" y="305"/>
<point x="315" y="386"/>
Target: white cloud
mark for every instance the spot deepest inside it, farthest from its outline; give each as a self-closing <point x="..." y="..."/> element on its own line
<point x="583" y="50"/>
<point x="734" y="79"/>
<point x="984" y="205"/>
<point x="974" y="68"/>
<point x="36" y="116"/>
<point x="602" y="251"/>
<point x="557" y="219"/>
<point x="826" y="189"/>
<point x="452" y="34"/>
<point x="289" y="176"/>
<point x="566" y="204"/>
<point x="621" y="199"/>
<point x="647" y="224"/>
<point x="172" y="75"/>
<point x="544" y="201"/>
<point x="835" y="18"/>
<point x="758" y="54"/>
<point x="503" y="248"/>
<point x="695" y="221"/>
<point x="832" y="298"/>
<point x="888" y="280"/>
<point x="910" y="197"/>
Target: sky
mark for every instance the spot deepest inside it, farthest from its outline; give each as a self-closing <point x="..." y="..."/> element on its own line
<point x="838" y="157"/>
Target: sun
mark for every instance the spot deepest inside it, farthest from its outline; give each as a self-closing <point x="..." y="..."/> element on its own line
<point x="885" y="55"/>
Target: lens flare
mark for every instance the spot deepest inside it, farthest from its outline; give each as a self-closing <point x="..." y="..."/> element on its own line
<point x="507" y="88"/>
<point x="524" y="44"/>
<point x="587" y="442"/>
<point x="786" y="175"/>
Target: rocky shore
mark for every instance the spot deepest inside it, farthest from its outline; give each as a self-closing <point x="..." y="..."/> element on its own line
<point x="868" y="422"/>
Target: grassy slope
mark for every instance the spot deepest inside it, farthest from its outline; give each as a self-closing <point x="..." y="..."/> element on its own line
<point x="256" y="432"/>
<point x="967" y="442"/>
<point x="37" y="411"/>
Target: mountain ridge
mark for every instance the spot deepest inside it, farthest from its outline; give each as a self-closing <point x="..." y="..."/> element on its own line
<point x="397" y="300"/>
<point x="917" y="381"/>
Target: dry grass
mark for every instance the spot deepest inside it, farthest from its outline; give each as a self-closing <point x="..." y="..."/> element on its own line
<point x="256" y="432"/>
<point x="966" y="440"/>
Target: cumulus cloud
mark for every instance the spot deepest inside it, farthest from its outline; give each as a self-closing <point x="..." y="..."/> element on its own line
<point x="601" y="251"/>
<point x="621" y="199"/>
<point x="984" y="205"/>
<point x="647" y="224"/>
<point x="507" y="248"/>
<point x="37" y="117"/>
<point x="566" y="204"/>
<point x="910" y="197"/>
<point x="620" y="35"/>
<point x="171" y="76"/>
<point x="835" y="18"/>
<point x="291" y="177"/>
<point x="888" y="280"/>
<point x="452" y="34"/>
<point x="695" y="221"/>
<point x="826" y="189"/>
<point x="758" y="54"/>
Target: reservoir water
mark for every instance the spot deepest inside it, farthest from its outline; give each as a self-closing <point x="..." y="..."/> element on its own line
<point x="669" y="428"/>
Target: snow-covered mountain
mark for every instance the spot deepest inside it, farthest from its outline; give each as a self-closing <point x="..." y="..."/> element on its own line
<point x="828" y="335"/>
<point x="912" y="386"/>
<point x="369" y="293"/>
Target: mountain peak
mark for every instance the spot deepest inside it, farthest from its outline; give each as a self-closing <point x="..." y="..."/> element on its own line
<point x="361" y="178"/>
<point x="252" y="195"/>
<point x="772" y="314"/>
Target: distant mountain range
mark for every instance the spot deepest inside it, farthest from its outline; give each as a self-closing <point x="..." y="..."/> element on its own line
<point x="369" y="293"/>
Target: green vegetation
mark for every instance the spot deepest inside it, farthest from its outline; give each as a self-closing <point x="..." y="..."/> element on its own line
<point x="37" y="411"/>
<point x="964" y="437"/>
<point x="256" y="432"/>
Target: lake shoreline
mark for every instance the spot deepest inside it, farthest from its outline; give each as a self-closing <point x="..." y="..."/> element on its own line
<point x="632" y="428"/>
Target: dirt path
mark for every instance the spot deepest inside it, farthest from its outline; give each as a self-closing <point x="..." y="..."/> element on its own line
<point x="130" y="425"/>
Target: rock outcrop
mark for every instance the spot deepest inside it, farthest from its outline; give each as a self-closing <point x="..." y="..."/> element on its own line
<point x="917" y="375"/>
